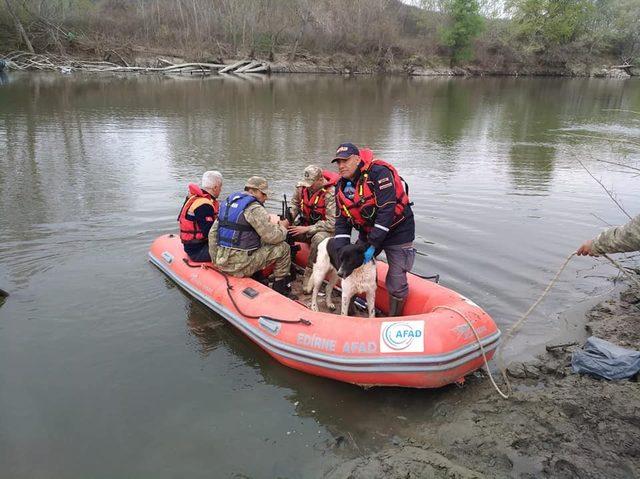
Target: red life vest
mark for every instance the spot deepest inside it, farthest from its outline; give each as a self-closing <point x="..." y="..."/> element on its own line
<point x="190" y="231"/>
<point x="313" y="206"/>
<point x="362" y="209"/>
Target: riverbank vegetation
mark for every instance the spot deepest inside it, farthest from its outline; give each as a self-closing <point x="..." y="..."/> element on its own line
<point x="492" y="36"/>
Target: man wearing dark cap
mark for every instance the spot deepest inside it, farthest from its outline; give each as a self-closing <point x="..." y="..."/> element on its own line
<point x="371" y="197"/>
<point x="314" y="205"/>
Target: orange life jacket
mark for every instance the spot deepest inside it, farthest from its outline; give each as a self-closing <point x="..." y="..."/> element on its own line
<point x="362" y="209"/>
<point x="190" y="231"/>
<point x="313" y="206"/>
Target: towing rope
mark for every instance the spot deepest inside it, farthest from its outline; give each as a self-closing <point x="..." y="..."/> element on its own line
<point x="484" y="355"/>
<point x="518" y="324"/>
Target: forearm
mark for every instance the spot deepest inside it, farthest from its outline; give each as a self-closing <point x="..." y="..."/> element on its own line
<point x="213" y="240"/>
<point x="294" y="206"/>
<point x="343" y="232"/>
<point x="619" y="239"/>
<point x="270" y="233"/>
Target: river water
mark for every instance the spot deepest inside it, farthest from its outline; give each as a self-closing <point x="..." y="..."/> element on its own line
<point x="108" y="370"/>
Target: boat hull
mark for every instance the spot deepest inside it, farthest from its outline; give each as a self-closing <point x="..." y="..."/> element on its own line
<point x="428" y="348"/>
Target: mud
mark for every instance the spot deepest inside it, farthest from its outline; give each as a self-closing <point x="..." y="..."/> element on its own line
<point x="556" y="424"/>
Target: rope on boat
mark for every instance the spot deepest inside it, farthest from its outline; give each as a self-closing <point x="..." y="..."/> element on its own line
<point x="484" y="355"/>
<point x="303" y="321"/>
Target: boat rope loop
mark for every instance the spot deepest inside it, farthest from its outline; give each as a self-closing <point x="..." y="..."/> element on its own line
<point x="484" y="355"/>
<point x="303" y="321"/>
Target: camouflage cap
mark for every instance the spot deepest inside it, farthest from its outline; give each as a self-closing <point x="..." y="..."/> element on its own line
<point x="258" y="183"/>
<point x="310" y="175"/>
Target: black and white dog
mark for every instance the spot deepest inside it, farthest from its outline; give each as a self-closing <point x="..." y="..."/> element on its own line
<point x="348" y="266"/>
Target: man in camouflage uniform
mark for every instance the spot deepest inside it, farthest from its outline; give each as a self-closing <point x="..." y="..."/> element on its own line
<point x="315" y="225"/>
<point x="272" y="247"/>
<point x="619" y="239"/>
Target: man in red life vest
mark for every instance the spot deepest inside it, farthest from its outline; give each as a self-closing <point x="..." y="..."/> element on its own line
<point x="199" y="211"/>
<point x="314" y="205"/>
<point x="371" y="198"/>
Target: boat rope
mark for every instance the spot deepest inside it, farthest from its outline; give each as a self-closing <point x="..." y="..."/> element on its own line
<point x="484" y="355"/>
<point x="518" y="324"/>
<point x="303" y="321"/>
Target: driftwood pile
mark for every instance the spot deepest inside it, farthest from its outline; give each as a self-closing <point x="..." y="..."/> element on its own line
<point x="47" y="62"/>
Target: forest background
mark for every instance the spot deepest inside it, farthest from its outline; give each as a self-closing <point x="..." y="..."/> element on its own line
<point x="481" y="36"/>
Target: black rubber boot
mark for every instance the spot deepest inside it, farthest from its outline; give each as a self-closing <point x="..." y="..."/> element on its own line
<point x="283" y="287"/>
<point x="260" y="278"/>
<point x="396" y="305"/>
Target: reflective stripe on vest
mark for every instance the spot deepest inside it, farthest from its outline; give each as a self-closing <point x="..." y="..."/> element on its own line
<point x="361" y="211"/>
<point x="233" y="229"/>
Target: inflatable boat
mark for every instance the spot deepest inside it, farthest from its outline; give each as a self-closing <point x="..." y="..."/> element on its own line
<point x="441" y="338"/>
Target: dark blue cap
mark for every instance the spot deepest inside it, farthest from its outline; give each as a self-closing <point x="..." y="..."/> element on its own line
<point x="345" y="150"/>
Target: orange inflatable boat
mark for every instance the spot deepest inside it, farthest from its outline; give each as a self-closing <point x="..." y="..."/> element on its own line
<point x="436" y="343"/>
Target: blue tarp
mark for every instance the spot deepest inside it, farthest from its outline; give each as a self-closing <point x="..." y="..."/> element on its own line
<point x="606" y="360"/>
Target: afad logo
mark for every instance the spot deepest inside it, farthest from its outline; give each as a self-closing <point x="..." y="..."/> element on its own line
<point x="402" y="336"/>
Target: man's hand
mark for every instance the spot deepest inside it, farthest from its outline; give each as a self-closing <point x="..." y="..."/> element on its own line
<point x="368" y="254"/>
<point x="586" y="249"/>
<point x="298" y="230"/>
<point x="275" y="219"/>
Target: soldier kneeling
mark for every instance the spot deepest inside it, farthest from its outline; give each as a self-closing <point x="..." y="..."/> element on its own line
<point x="244" y="240"/>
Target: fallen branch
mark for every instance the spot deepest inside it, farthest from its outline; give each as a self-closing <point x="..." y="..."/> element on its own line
<point x="560" y="346"/>
<point x="233" y="66"/>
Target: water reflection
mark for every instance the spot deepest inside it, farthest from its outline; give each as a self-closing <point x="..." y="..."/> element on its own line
<point x="93" y="168"/>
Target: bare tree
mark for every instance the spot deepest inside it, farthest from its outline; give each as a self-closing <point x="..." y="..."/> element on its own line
<point x="19" y="27"/>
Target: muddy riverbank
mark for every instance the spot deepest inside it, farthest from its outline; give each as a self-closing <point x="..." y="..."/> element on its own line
<point x="339" y="63"/>
<point x="557" y="423"/>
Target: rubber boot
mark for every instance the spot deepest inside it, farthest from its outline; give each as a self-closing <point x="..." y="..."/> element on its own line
<point x="307" y="286"/>
<point x="396" y="305"/>
<point x="283" y="287"/>
<point x="260" y="278"/>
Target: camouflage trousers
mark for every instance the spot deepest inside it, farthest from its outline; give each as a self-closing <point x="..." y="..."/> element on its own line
<point x="313" y="240"/>
<point x="245" y="263"/>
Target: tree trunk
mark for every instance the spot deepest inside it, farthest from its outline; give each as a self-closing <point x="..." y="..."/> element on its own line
<point x="19" y="27"/>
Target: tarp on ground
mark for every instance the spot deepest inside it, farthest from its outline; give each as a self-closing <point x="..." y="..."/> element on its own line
<point x="604" y="359"/>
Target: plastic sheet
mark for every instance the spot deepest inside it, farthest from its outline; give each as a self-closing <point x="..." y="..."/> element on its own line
<point x="607" y="360"/>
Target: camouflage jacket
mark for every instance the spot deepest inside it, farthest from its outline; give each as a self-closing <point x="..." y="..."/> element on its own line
<point x="258" y="217"/>
<point x="619" y="239"/>
<point x="329" y="224"/>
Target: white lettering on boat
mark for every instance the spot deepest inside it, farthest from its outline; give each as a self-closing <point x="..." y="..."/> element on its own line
<point x="317" y="342"/>
<point x="359" y="347"/>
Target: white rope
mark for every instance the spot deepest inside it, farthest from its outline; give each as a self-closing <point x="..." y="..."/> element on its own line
<point x="519" y="323"/>
<point x="484" y="355"/>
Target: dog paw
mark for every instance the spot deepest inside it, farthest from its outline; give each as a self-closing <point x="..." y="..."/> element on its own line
<point x="331" y="306"/>
<point x="314" y="307"/>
